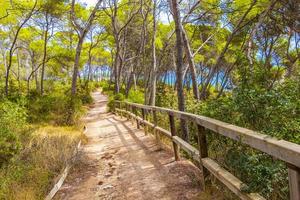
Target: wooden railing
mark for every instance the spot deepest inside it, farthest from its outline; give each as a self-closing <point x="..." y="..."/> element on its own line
<point x="279" y="149"/>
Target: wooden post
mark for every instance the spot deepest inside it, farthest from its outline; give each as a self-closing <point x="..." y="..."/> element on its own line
<point x="203" y="152"/>
<point x="137" y="121"/>
<point x="114" y="107"/>
<point x="131" y="111"/>
<point x="146" y="118"/>
<point x="143" y="116"/>
<point x="143" y="113"/>
<point x="120" y="107"/>
<point x="155" y="124"/>
<point x="173" y="132"/>
<point x="294" y="182"/>
<point x="127" y="109"/>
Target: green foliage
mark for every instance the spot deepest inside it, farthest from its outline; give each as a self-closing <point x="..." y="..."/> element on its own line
<point x="12" y="122"/>
<point x="253" y="104"/>
<point x="136" y="96"/>
<point x="119" y="97"/>
<point x="58" y="107"/>
<point x="166" y="97"/>
<point x="113" y="98"/>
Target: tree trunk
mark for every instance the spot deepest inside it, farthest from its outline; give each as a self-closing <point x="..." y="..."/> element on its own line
<point x="189" y="56"/>
<point x="89" y="64"/>
<point x="76" y="65"/>
<point x="179" y="66"/>
<point x="11" y="50"/>
<point x="45" y="54"/>
<point x="153" y="71"/>
<point x="82" y="31"/>
<point x="116" y="70"/>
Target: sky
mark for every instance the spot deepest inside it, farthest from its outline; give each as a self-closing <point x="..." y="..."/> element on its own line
<point x="89" y="2"/>
<point x="163" y="16"/>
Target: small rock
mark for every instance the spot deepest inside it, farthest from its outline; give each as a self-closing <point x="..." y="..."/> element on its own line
<point x="107" y="174"/>
<point x="107" y="187"/>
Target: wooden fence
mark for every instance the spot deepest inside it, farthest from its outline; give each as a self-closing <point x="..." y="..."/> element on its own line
<point x="279" y="149"/>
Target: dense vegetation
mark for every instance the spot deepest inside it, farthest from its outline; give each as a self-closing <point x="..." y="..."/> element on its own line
<point x="236" y="61"/>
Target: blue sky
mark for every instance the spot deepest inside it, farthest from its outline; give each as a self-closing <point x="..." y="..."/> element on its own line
<point x="89" y="2"/>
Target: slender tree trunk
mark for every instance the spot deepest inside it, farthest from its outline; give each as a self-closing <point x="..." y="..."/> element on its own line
<point x="11" y="50"/>
<point x="89" y="64"/>
<point x="45" y="54"/>
<point x="179" y="66"/>
<point x="116" y="70"/>
<point x="82" y="31"/>
<point x="134" y="82"/>
<point x="76" y="65"/>
<point x="128" y="85"/>
<point x="153" y="71"/>
<point x="189" y="56"/>
<point x="18" y="72"/>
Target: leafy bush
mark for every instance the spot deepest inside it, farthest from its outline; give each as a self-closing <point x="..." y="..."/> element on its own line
<point x="105" y="86"/>
<point x="136" y="96"/>
<point x="112" y="99"/>
<point x="58" y="107"/>
<point x="12" y="122"/>
<point x="84" y="94"/>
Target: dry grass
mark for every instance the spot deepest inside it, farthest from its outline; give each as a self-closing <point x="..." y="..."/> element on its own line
<point x="45" y="153"/>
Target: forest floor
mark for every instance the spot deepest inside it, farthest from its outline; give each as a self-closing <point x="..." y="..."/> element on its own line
<point x="120" y="162"/>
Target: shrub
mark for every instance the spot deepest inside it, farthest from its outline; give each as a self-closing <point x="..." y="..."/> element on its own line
<point x="12" y="122"/>
<point x="58" y="107"/>
<point x="136" y="96"/>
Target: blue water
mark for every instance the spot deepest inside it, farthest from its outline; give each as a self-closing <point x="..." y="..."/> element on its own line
<point x="104" y="72"/>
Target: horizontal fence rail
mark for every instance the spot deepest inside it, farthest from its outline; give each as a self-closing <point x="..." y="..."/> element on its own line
<point x="279" y="149"/>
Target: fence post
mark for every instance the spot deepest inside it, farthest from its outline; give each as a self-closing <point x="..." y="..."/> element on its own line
<point x="131" y="111"/>
<point x="143" y="116"/>
<point x="203" y="152"/>
<point x="127" y="109"/>
<point x="173" y="132"/>
<point x="120" y="107"/>
<point x="155" y="125"/>
<point x="114" y="107"/>
<point x="294" y="182"/>
<point x="137" y="121"/>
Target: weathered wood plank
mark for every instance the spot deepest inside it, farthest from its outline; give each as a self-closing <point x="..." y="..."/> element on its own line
<point x="280" y="149"/>
<point x="64" y="175"/>
<point x="192" y="151"/>
<point x="159" y="129"/>
<point x="294" y="182"/>
<point x="229" y="180"/>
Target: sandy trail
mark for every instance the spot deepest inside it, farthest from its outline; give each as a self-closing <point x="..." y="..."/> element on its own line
<point x="121" y="162"/>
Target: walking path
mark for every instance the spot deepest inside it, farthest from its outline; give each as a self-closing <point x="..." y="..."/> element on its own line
<point x="121" y="162"/>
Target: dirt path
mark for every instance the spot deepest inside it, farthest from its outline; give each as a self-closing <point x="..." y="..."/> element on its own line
<point x="120" y="162"/>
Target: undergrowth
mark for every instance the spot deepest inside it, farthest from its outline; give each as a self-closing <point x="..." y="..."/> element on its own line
<point x="38" y="135"/>
<point x="44" y="153"/>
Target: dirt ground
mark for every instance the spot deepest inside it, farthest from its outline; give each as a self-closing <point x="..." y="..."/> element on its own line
<point x="121" y="162"/>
